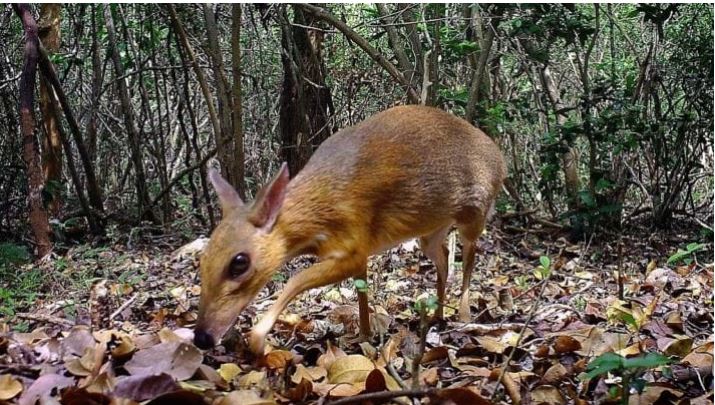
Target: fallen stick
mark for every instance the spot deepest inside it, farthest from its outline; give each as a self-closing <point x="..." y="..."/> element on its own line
<point x="384" y="395"/>
<point x="124" y="306"/>
<point x="45" y="318"/>
<point x="484" y="328"/>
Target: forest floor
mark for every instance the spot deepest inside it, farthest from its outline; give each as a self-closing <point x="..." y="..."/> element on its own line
<point x="542" y="332"/>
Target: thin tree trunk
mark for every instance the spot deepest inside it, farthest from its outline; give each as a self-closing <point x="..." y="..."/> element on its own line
<point x="412" y="35"/>
<point x="378" y="57"/>
<point x="239" y="167"/>
<point x="93" y="190"/>
<point x="408" y="70"/>
<point x="49" y="34"/>
<point x="305" y="103"/>
<point x="92" y="220"/>
<point x="39" y="222"/>
<point x="143" y="199"/>
<point x="225" y="103"/>
<point x="569" y="158"/>
<point x="195" y="134"/>
<point x="480" y="72"/>
<point x="430" y="88"/>
<point x="208" y="98"/>
<point x="97" y="78"/>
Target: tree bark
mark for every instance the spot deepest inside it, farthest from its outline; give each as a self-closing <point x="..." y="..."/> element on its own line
<point x="143" y="199"/>
<point x="49" y="35"/>
<point x="39" y="222"/>
<point x="305" y="102"/>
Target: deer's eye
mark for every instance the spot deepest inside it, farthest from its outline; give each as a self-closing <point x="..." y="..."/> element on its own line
<point x="239" y="265"/>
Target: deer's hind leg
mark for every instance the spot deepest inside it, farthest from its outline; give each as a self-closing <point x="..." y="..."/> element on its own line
<point x="434" y="247"/>
<point x="469" y="234"/>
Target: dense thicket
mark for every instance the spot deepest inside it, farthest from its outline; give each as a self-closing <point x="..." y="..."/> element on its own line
<point x="605" y="112"/>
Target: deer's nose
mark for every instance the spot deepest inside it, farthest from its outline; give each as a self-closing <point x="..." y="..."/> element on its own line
<point x="203" y="340"/>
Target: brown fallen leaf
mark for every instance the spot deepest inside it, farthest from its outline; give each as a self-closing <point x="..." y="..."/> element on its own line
<point x="462" y="396"/>
<point x="88" y="363"/>
<point x="246" y="397"/>
<point x="252" y="379"/>
<point x="311" y="374"/>
<point x="331" y="354"/>
<point x="182" y="397"/>
<point x="300" y="392"/>
<point x="80" y="396"/>
<point x="492" y="345"/>
<point x="9" y="387"/>
<point x="228" y="371"/>
<point x="655" y="394"/>
<point x="678" y="345"/>
<point x="103" y="383"/>
<point x="429" y="377"/>
<point x="554" y="375"/>
<point x="701" y="357"/>
<point x="336" y="390"/>
<point x="566" y="344"/>
<point x="547" y="395"/>
<point x="277" y="359"/>
<point x="437" y="353"/>
<point x="594" y="341"/>
<point x="78" y="340"/>
<point x="33" y="337"/>
<point x="43" y="386"/>
<point x="123" y="348"/>
<point x="144" y="387"/>
<point x="180" y="360"/>
<point x="375" y="382"/>
<point x="350" y="369"/>
<point x="197" y="386"/>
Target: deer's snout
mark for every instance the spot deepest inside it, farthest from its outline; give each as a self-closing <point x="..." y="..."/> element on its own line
<point x="203" y="340"/>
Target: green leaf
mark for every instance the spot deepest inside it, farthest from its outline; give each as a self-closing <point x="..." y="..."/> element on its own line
<point x="431" y="302"/>
<point x="545" y="262"/>
<point x="682" y="254"/>
<point x="361" y="285"/>
<point x="638" y="384"/>
<point x="650" y="360"/>
<point x="602" y="184"/>
<point x="603" y="364"/>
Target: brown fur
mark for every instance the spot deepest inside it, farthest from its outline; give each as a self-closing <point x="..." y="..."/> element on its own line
<point x="407" y="172"/>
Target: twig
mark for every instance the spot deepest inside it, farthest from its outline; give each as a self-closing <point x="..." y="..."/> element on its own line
<point x="124" y="306"/>
<point x="532" y="311"/>
<point x="391" y="370"/>
<point x="620" y="269"/>
<point x="45" y="318"/>
<point x="424" y="327"/>
<point x="384" y="395"/>
<point x="484" y="328"/>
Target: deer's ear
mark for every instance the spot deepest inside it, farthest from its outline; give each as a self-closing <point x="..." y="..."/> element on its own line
<point x="227" y="195"/>
<point x="270" y="200"/>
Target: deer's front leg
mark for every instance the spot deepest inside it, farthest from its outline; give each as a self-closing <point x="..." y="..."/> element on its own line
<point x="326" y="272"/>
<point x="364" y="307"/>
